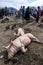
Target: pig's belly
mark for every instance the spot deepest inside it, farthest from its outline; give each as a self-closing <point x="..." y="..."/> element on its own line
<point x="26" y="41"/>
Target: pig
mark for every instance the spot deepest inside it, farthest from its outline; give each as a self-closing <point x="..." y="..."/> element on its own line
<point x="19" y="44"/>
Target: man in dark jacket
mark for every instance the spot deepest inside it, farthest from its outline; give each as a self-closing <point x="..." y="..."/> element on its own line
<point x="27" y="14"/>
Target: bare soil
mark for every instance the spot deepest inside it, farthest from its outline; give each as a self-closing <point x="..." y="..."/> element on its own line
<point x="34" y="55"/>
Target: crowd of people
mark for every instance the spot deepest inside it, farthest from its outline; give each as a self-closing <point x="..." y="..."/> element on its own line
<point x="25" y="13"/>
<point x="5" y="12"/>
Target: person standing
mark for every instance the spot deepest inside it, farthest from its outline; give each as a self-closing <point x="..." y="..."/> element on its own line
<point x="23" y="12"/>
<point x="38" y="14"/>
<point x="27" y="14"/>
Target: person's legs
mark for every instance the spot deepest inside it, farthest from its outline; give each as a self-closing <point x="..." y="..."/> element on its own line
<point x="37" y="18"/>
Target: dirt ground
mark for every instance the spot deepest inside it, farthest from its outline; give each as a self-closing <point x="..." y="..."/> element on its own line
<point x="34" y="55"/>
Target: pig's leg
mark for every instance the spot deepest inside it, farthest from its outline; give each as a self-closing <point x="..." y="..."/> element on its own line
<point x="23" y="49"/>
<point x="6" y="47"/>
<point x="1" y="56"/>
<point x="36" y="39"/>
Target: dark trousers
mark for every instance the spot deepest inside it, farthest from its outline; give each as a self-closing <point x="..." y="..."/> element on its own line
<point x="37" y="18"/>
